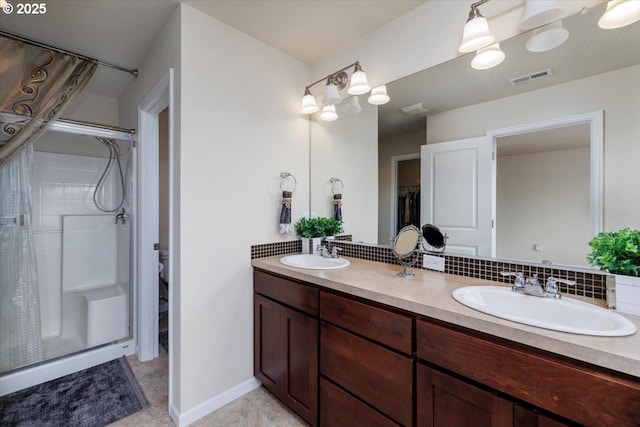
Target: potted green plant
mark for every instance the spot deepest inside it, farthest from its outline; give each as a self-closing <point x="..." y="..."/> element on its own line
<point x="313" y="230"/>
<point x="618" y="252"/>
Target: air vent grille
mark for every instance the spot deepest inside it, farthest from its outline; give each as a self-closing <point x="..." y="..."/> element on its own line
<point x="529" y="77"/>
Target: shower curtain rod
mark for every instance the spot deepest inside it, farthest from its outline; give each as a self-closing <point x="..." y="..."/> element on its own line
<point x="68" y="52"/>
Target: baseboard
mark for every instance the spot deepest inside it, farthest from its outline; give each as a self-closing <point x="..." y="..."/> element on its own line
<point x="216" y="402"/>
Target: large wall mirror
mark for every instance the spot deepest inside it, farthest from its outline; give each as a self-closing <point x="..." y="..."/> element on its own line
<point x="565" y="149"/>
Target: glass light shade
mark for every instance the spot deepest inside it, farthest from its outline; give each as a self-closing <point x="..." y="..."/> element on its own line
<point x="329" y="113"/>
<point x="309" y="105"/>
<point x="351" y="105"/>
<point x="620" y="13"/>
<point x="379" y="95"/>
<point x="359" y="84"/>
<point x="540" y="12"/>
<point x="331" y="95"/>
<point x="476" y="35"/>
<point x="547" y="37"/>
<point x="488" y="57"/>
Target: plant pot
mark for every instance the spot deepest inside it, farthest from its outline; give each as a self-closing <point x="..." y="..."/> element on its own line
<point x="628" y="294"/>
<point x="309" y="245"/>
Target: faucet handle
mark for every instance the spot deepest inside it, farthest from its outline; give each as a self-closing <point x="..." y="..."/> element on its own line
<point x="334" y="252"/>
<point x="551" y="287"/>
<point x="518" y="282"/>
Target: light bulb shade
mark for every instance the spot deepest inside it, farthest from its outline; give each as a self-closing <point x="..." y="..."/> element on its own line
<point x="309" y="105"/>
<point x="359" y="84"/>
<point x="540" y="12"/>
<point x="379" y="95"/>
<point x="620" y="13"/>
<point x="476" y="35"/>
<point x="331" y="95"/>
<point x="351" y="105"/>
<point x="547" y="37"/>
<point x="329" y="113"/>
<point x="488" y="57"/>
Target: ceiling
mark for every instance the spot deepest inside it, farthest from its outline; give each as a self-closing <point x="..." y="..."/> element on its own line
<point x="120" y="32"/>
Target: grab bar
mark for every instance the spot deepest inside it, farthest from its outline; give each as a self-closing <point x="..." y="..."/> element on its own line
<point x="8" y="220"/>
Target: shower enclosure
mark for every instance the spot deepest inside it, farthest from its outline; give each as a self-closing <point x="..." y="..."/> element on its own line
<point x="80" y="231"/>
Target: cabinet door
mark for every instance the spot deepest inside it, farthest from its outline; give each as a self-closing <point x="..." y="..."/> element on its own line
<point x="286" y="356"/>
<point x="444" y="401"/>
<point x="300" y="359"/>
<point x="267" y="360"/>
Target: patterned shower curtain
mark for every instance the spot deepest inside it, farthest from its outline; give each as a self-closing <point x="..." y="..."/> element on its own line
<point x="35" y="86"/>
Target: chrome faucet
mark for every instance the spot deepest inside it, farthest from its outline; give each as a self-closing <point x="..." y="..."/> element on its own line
<point x="324" y="252"/>
<point x="532" y="286"/>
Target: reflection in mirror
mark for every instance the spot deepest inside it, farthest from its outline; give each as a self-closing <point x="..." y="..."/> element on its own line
<point x="595" y="70"/>
<point x="403" y="246"/>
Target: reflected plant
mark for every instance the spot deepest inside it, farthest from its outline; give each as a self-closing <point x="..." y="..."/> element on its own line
<point x="318" y="227"/>
<point x="617" y="252"/>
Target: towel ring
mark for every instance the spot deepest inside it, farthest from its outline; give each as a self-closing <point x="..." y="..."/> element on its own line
<point x="283" y="179"/>
<point x="333" y="182"/>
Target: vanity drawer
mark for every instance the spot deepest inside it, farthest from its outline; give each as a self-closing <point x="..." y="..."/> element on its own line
<point x="339" y="408"/>
<point x="580" y="392"/>
<point x="294" y="294"/>
<point x="384" y="326"/>
<point x="381" y="377"/>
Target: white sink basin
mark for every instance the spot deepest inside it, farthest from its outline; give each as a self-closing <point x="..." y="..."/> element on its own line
<point x="566" y="314"/>
<point x="314" y="262"/>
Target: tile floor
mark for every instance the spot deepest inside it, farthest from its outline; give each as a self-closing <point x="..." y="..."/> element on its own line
<point x="255" y="409"/>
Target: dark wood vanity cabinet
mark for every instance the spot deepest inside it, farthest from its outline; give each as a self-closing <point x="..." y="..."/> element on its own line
<point x="286" y="342"/>
<point x="339" y="360"/>
<point x="365" y="351"/>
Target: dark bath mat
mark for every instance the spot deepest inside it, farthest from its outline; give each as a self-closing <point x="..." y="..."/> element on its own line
<point x="164" y="341"/>
<point x="93" y="397"/>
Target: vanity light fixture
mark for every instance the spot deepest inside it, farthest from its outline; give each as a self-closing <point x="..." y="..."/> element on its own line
<point x="620" y="13"/>
<point x="488" y="57"/>
<point x="331" y="95"/>
<point x="476" y="34"/>
<point x="309" y="105"/>
<point x="352" y="105"/>
<point x="379" y="95"/>
<point x="540" y="12"/>
<point x="329" y="113"/>
<point x="337" y="81"/>
<point x="548" y="37"/>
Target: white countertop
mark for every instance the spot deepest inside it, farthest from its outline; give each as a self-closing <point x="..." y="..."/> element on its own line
<point x="429" y="293"/>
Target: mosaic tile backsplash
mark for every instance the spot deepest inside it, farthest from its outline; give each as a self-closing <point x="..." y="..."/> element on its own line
<point x="588" y="284"/>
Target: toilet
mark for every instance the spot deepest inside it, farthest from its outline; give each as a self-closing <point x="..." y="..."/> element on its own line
<point x="164" y="260"/>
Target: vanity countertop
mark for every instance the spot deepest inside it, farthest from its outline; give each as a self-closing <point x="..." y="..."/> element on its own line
<point x="429" y="293"/>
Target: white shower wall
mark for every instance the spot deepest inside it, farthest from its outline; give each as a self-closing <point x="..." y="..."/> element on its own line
<point x="63" y="184"/>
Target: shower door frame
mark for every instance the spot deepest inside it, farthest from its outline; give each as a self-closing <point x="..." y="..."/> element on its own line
<point x="64" y="365"/>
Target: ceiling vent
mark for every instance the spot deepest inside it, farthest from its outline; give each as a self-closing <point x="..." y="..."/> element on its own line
<point x="415" y="109"/>
<point x="530" y="77"/>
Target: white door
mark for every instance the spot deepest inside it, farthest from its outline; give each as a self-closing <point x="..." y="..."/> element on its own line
<point x="456" y="193"/>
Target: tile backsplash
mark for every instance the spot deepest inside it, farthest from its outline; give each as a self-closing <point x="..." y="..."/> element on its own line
<point x="592" y="284"/>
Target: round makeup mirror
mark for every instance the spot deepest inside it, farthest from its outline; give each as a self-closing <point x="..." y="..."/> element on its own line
<point x="434" y="238"/>
<point x="403" y="246"/>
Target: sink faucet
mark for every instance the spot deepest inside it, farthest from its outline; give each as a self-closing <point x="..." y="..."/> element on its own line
<point x="324" y="252"/>
<point x="532" y="286"/>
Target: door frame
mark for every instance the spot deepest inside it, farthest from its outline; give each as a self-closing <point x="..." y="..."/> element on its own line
<point x="159" y="98"/>
<point x="394" y="189"/>
<point x="595" y="120"/>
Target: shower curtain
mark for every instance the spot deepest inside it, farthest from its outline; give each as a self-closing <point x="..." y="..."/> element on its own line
<point x="35" y="86"/>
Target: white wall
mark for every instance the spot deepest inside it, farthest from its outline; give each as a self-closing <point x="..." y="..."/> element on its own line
<point x="617" y="93"/>
<point x="94" y="108"/>
<point x="336" y="147"/>
<point x="544" y="198"/>
<point x="241" y="127"/>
